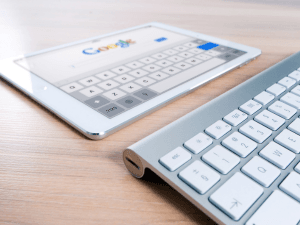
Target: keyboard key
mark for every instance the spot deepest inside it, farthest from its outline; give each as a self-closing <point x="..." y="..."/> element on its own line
<point x="289" y="140"/>
<point x="264" y="98"/>
<point x="96" y="102"/>
<point x="111" y="110"/>
<point x="175" y="58"/>
<point x="91" y="91"/>
<point x="291" y="185"/>
<point x="88" y="81"/>
<point x="182" y="65"/>
<point x="295" y="126"/>
<point x="164" y="63"/>
<point x="282" y="109"/>
<point x="198" y="143"/>
<point x="69" y="88"/>
<point x="235" y="117"/>
<point x="129" y="102"/>
<point x="269" y="119"/>
<point x="239" y="144"/>
<point x="292" y="100"/>
<point x="174" y="159"/>
<point x="277" y="155"/>
<point x="171" y="70"/>
<point x="278" y="209"/>
<point x="295" y="75"/>
<point x="145" y="94"/>
<point x="221" y="159"/>
<point x="134" y="65"/>
<point x="105" y="75"/>
<point x="199" y="176"/>
<point x="195" y="50"/>
<point x="296" y="90"/>
<point x="276" y="89"/>
<point x="180" y="48"/>
<point x="203" y="57"/>
<point x="130" y="87"/>
<point x="287" y="82"/>
<point x="261" y="171"/>
<point x="114" y="94"/>
<point x="213" y="53"/>
<point x="186" y="75"/>
<point x="193" y="61"/>
<point x="151" y="68"/>
<point x="218" y="129"/>
<point x="185" y="54"/>
<point x="159" y="56"/>
<point x="145" y="81"/>
<point x="109" y="84"/>
<point x="236" y="196"/>
<point x="138" y="73"/>
<point x="255" y="131"/>
<point x="170" y="52"/>
<point x="159" y="75"/>
<point x="121" y="70"/>
<point x="250" y="107"/>
<point x="190" y="45"/>
<point x="124" y="78"/>
<point x="147" y="60"/>
<point x="297" y="168"/>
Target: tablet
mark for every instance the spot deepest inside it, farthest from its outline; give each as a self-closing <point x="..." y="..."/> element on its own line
<point x="102" y="84"/>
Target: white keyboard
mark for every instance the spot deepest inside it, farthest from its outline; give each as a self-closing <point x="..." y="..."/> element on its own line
<point x="236" y="158"/>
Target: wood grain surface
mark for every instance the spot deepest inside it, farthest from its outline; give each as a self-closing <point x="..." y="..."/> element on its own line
<point x="51" y="174"/>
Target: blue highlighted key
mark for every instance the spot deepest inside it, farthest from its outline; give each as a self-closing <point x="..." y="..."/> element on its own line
<point x="208" y="46"/>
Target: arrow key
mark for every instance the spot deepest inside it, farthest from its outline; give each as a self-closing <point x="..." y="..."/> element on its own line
<point x="236" y="196"/>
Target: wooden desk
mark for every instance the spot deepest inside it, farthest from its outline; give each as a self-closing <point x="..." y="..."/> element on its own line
<point x="51" y="174"/>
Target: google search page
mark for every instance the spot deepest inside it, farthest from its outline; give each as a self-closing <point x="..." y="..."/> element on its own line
<point x="65" y="63"/>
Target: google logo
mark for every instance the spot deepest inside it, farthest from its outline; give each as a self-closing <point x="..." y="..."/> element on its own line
<point x="120" y="43"/>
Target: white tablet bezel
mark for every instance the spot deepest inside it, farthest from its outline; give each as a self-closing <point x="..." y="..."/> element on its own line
<point x="90" y="122"/>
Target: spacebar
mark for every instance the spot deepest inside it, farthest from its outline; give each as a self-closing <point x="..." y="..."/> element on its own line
<point x="186" y="75"/>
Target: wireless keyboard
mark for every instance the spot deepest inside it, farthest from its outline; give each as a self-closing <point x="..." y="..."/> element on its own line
<point x="237" y="157"/>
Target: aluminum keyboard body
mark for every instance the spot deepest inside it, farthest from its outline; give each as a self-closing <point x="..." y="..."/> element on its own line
<point x="147" y="152"/>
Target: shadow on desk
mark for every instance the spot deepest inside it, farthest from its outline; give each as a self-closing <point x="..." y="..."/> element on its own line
<point x="165" y="191"/>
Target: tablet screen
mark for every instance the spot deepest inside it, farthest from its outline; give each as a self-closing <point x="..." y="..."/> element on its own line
<point x="116" y="73"/>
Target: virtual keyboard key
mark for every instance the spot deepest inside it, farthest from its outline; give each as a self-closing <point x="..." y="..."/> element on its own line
<point x="134" y="65"/>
